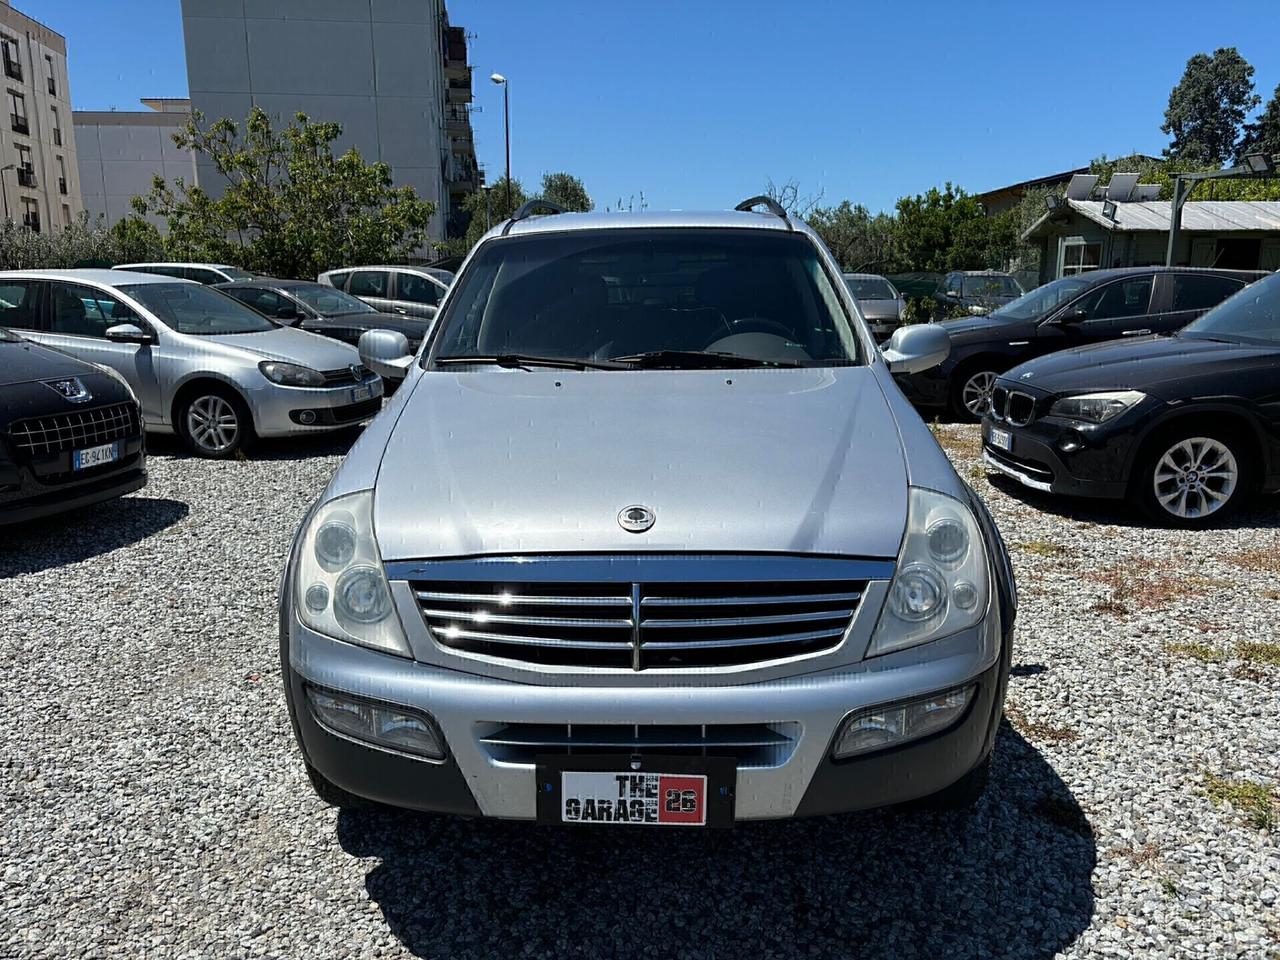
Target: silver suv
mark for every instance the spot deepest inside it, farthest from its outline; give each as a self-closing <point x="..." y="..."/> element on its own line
<point x="649" y="536"/>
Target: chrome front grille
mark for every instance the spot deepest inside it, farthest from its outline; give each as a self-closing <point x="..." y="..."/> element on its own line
<point x="750" y="744"/>
<point x="75" y="430"/>
<point x="1012" y="406"/>
<point x="701" y="621"/>
<point x="346" y="376"/>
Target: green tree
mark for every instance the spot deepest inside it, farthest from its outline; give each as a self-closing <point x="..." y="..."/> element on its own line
<point x="490" y="206"/>
<point x="947" y="229"/>
<point x="290" y="207"/>
<point x="136" y="239"/>
<point x="1263" y="135"/>
<point x="1208" y="106"/>
<point x="857" y="238"/>
<point x="566" y="190"/>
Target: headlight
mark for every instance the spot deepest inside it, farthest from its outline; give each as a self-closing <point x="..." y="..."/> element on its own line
<point x="1096" y="407"/>
<point x="941" y="585"/>
<point x="339" y="577"/>
<point x="291" y="374"/>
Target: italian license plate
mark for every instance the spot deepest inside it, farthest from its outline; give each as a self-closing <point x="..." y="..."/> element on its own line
<point x="361" y="393"/>
<point x="1000" y="439"/>
<point x="663" y="792"/>
<point x="95" y="456"/>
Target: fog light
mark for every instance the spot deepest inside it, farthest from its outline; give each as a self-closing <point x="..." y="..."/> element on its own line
<point x="1070" y="442"/>
<point x="307" y="417"/>
<point x="382" y="724"/>
<point x="880" y="728"/>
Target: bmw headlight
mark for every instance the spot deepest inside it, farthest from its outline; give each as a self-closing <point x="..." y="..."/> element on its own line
<point x="291" y="374"/>
<point x="1096" y="407"/>
<point x="339" y="583"/>
<point x="941" y="584"/>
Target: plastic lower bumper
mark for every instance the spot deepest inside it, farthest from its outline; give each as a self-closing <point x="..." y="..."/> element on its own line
<point x="284" y="411"/>
<point x="24" y="496"/>
<point x="1092" y="467"/>
<point x="806" y="781"/>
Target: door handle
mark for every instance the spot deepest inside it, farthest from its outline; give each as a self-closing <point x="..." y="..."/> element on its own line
<point x="1136" y="333"/>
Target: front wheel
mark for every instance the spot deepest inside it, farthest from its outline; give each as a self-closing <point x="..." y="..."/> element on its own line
<point x="214" y="423"/>
<point x="971" y="393"/>
<point x="1192" y="479"/>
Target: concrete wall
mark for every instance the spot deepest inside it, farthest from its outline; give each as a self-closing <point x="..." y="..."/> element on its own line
<point x="374" y="66"/>
<point x="121" y="152"/>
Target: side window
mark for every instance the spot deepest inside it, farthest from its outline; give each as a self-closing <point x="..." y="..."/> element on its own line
<point x="160" y="271"/>
<point x="1124" y="298"/>
<point x="201" y="275"/>
<point x="18" y="300"/>
<point x="85" y="311"/>
<point x="416" y="289"/>
<point x="264" y="301"/>
<point x="1197" y="292"/>
<point x="369" y="283"/>
<point x="953" y="282"/>
<point x="339" y="279"/>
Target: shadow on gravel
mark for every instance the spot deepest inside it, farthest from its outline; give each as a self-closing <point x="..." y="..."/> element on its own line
<point x="85" y="533"/>
<point x="1009" y="879"/>
<point x="1261" y="512"/>
<point x="334" y="444"/>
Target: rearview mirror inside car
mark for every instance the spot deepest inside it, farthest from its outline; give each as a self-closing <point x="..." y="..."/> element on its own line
<point x="917" y="347"/>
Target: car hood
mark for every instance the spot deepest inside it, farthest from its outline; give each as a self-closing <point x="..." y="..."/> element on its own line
<point x="24" y="360"/>
<point x="294" y="346"/>
<point x="1150" y="364"/>
<point x="505" y="462"/>
<point x="984" y="327"/>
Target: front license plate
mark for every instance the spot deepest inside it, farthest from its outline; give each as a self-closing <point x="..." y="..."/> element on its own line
<point x="1000" y="439"/>
<point x="361" y="393"/>
<point x="95" y="456"/>
<point x="663" y="792"/>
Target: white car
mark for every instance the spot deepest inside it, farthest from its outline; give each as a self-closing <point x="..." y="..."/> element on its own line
<point x="199" y="272"/>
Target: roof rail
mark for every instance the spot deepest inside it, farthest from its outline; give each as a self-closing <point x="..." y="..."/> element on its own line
<point x="529" y="208"/>
<point x="770" y="204"/>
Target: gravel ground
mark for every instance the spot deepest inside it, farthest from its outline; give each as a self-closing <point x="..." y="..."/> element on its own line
<point x="154" y="805"/>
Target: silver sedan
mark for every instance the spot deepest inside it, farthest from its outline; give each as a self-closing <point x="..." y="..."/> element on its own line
<point x="202" y="365"/>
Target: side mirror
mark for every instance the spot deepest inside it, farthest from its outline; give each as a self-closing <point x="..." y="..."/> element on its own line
<point x="386" y="353"/>
<point x="918" y="347"/>
<point x="288" y="314"/>
<point x="952" y="294"/>
<point x="1073" y="316"/>
<point x="128" y="333"/>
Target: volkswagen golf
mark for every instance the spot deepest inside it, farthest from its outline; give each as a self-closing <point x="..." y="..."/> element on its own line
<point x="649" y="536"/>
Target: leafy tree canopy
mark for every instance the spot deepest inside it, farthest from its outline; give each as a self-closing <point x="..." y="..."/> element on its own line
<point x="1263" y="135"/>
<point x="1208" y="106"/>
<point x="566" y="190"/>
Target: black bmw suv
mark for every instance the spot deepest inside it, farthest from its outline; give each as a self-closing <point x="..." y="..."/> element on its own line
<point x="1070" y="312"/>
<point x="70" y="433"/>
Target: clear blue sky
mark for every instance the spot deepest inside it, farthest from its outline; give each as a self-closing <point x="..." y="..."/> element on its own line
<point x="698" y="104"/>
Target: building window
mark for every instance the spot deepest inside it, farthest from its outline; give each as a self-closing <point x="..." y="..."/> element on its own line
<point x="62" y="176"/>
<point x="26" y="168"/>
<point x="18" y="112"/>
<point x="49" y="76"/>
<point x="57" y="127"/>
<point x="12" y="65"/>
<point x="31" y="214"/>
<point x="66" y="215"/>
<point x="1076" y="256"/>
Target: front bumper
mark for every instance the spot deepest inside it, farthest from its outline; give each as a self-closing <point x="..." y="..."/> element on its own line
<point x="1095" y="468"/>
<point x="287" y="411"/>
<point x="805" y="781"/>
<point x="29" y="491"/>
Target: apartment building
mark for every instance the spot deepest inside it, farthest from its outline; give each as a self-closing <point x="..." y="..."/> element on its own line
<point x="39" y="178"/>
<point x="122" y="151"/>
<point x="393" y="73"/>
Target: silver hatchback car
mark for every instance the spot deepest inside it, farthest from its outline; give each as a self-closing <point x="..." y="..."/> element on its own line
<point x="649" y="536"/>
<point x="202" y="364"/>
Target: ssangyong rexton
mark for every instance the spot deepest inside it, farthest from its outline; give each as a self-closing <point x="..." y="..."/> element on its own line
<point x="649" y="536"/>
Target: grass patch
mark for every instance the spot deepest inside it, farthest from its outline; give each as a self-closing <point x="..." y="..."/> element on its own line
<point x="1148" y="585"/>
<point x="1037" y="729"/>
<point x="977" y="472"/>
<point x="1255" y="802"/>
<point x="1196" y="651"/>
<point x="1138" y="856"/>
<point x="1043" y="548"/>
<point x="1271" y="594"/>
<point x="1265" y="560"/>
<point x="1256" y="651"/>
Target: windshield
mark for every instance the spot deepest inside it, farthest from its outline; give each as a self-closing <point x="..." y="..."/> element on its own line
<point x="1251" y="316"/>
<point x="329" y="301"/>
<point x="235" y="273"/>
<point x="605" y="294"/>
<point x="195" y="309"/>
<point x="1042" y="300"/>
<point x="871" y="288"/>
<point x="989" y="287"/>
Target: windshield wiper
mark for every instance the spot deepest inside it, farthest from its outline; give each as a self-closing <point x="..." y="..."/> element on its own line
<point x="522" y="361"/>
<point x="696" y="360"/>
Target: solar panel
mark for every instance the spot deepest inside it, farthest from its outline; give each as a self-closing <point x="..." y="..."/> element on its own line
<point x="1121" y="186"/>
<point x="1081" y="186"/>
<point x="1146" y="191"/>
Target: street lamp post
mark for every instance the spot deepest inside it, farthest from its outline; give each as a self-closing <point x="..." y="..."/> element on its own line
<point x="501" y="81"/>
<point x="1253" y="166"/>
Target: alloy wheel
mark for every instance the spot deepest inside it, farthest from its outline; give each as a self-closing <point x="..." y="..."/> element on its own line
<point x="976" y="393"/>
<point x="1195" y="477"/>
<point x="213" y="424"/>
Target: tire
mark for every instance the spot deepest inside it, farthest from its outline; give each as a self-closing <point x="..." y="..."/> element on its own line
<point x="971" y="386"/>
<point x="1192" y="476"/>
<point x="214" y="422"/>
<point x="962" y="794"/>
<point x="333" y="795"/>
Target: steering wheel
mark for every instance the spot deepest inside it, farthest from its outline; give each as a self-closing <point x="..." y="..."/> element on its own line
<point x="762" y="325"/>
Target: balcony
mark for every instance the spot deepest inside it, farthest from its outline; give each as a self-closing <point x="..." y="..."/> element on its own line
<point x="12" y="68"/>
<point x="459" y="89"/>
<point x="31" y="221"/>
<point x="53" y="86"/>
<point x="62" y="186"/>
<point x="462" y="145"/>
<point x="26" y="176"/>
<point x="57" y="137"/>
<point x="19" y="123"/>
<point x="455" y="53"/>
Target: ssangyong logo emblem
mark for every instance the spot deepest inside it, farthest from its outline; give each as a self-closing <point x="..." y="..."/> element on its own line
<point x="636" y="518"/>
<point x="70" y="389"/>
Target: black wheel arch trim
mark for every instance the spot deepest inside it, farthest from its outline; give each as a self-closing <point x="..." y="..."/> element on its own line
<point x="1238" y="409"/>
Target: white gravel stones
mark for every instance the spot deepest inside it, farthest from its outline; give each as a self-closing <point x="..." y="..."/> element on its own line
<point x="154" y="804"/>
